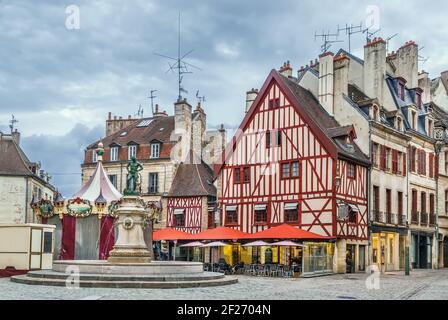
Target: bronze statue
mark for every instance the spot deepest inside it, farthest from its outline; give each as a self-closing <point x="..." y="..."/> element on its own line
<point x="133" y="184"/>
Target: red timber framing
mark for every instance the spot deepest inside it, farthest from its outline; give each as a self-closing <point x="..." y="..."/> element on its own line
<point x="313" y="189"/>
<point x="192" y="207"/>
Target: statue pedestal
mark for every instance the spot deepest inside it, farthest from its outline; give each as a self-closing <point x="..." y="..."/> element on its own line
<point x="130" y="246"/>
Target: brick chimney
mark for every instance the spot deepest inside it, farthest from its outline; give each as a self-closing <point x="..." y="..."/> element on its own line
<point x="286" y="69"/>
<point x="326" y="77"/>
<point x="198" y="125"/>
<point x="425" y="84"/>
<point x="407" y="63"/>
<point x="182" y="125"/>
<point x="375" y="69"/>
<point x="16" y="136"/>
<point x="116" y="124"/>
<point x="341" y="65"/>
<point x="251" y="95"/>
<point x="158" y="113"/>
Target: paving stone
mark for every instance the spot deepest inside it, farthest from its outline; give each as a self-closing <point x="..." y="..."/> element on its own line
<point x="421" y="284"/>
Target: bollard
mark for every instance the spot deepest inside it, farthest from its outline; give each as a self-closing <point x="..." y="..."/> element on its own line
<point x="406" y="266"/>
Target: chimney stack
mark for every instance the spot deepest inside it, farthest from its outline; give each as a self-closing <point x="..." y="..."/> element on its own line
<point x="16" y="136"/>
<point x="407" y="63"/>
<point x="375" y="69"/>
<point x="182" y="126"/>
<point x="286" y="69"/>
<point x="341" y="65"/>
<point x="251" y="95"/>
<point x="326" y="78"/>
<point x="425" y="84"/>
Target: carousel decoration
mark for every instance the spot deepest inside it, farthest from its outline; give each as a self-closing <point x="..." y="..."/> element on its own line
<point x="79" y="208"/>
<point x="100" y="204"/>
<point x="42" y="208"/>
<point x="153" y="209"/>
<point x="59" y="202"/>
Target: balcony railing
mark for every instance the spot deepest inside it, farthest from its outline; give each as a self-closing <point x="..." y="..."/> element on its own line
<point x="423" y="218"/>
<point x="414" y="217"/>
<point x="389" y="217"/>
<point x="432" y="219"/>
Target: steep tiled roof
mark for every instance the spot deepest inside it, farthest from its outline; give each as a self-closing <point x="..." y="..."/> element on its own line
<point x="159" y="128"/>
<point x="12" y="161"/>
<point x="325" y="121"/>
<point x="193" y="178"/>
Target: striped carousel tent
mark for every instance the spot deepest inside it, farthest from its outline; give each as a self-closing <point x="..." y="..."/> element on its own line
<point x="88" y="231"/>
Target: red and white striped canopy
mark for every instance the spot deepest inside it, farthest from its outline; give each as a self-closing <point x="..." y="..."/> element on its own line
<point x="98" y="184"/>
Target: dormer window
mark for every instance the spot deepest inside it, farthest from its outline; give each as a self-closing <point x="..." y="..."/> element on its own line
<point x="399" y="124"/>
<point x="94" y="156"/>
<point x="114" y="154"/>
<point x="375" y="113"/>
<point x="155" y="150"/>
<point x="429" y="131"/>
<point x="132" y="151"/>
<point x="418" y="99"/>
<point x="413" y="120"/>
<point x="401" y="90"/>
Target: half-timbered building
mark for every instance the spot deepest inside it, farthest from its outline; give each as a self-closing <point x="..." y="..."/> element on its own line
<point x="292" y="162"/>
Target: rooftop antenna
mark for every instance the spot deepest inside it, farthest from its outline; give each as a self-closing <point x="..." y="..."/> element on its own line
<point x="152" y="97"/>
<point x="369" y="34"/>
<point x="140" y="111"/>
<point x="421" y="58"/>
<point x="326" y="38"/>
<point x="388" y="39"/>
<point x="201" y="99"/>
<point x="349" y="30"/>
<point x="180" y="65"/>
<point x="12" y="122"/>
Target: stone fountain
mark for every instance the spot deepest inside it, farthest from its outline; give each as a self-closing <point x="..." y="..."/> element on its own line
<point x="129" y="264"/>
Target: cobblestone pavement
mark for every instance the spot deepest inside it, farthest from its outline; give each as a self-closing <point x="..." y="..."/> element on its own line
<point x="421" y="284"/>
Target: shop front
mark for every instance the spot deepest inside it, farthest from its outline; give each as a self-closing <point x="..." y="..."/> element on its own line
<point x="388" y="249"/>
<point x="421" y="250"/>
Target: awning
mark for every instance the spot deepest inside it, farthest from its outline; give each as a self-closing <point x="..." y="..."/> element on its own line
<point x="260" y="207"/>
<point x="169" y="234"/>
<point x="220" y="233"/>
<point x="179" y="211"/>
<point x="231" y="208"/>
<point x="285" y="231"/>
<point x="192" y="244"/>
<point x="287" y="243"/>
<point x="258" y="243"/>
<point x="215" y="244"/>
<point x="291" y="205"/>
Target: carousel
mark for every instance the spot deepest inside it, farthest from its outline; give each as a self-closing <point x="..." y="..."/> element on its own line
<point x="85" y="222"/>
<point x="102" y="237"/>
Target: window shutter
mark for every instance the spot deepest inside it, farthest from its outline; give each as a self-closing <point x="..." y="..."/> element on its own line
<point x="394" y="161"/>
<point x="424" y="162"/>
<point x="431" y="165"/>
<point x="383" y="157"/>
<point x="404" y="163"/>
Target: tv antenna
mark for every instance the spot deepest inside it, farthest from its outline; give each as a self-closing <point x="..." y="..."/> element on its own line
<point x="201" y="99"/>
<point x="388" y="39"/>
<point x="140" y="111"/>
<point x="369" y="34"/>
<point x="349" y="30"/>
<point x="179" y="64"/>
<point x="421" y="58"/>
<point x="326" y="38"/>
<point x="152" y="97"/>
<point x="12" y="122"/>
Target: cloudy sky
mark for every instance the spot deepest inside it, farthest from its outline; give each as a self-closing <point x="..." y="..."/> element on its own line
<point x="60" y="83"/>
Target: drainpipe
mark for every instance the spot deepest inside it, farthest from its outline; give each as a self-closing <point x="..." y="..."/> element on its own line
<point x="369" y="179"/>
<point x="26" y="198"/>
<point x="437" y="149"/>
<point x="407" y="260"/>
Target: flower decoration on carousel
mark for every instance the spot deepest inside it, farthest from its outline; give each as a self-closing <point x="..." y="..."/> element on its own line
<point x="100" y="151"/>
<point x="35" y="205"/>
<point x="100" y="204"/>
<point x="112" y="209"/>
<point x="79" y="208"/>
<point x="59" y="202"/>
<point x="153" y="210"/>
